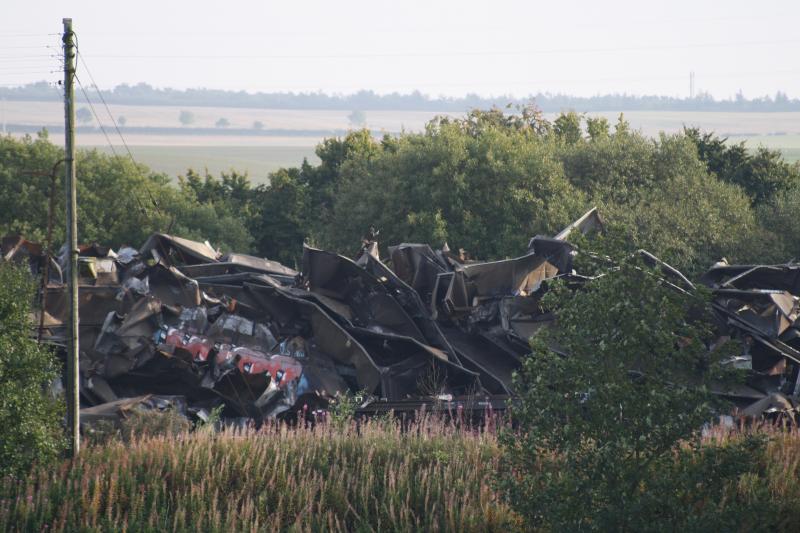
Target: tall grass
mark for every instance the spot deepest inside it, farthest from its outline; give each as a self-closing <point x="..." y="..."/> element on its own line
<point x="371" y="477"/>
<point x="335" y="477"/>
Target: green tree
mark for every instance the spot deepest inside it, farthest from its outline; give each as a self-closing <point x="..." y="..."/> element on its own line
<point x="597" y="127"/>
<point x="186" y="118"/>
<point x="119" y="201"/>
<point x="568" y="127"/>
<point x="609" y="434"/>
<point x="357" y="118"/>
<point x="222" y="123"/>
<point x="686" y="216"/>
<point x="780" y="214"/>
<point x="27" y="165"/>
<point x="476" y="183"/>
<point x="622" y="126"/>
<point x="83" y="115"/>
<point x="30" y="430"/>
<point x="122" y="121"/>
<point x="762" y="174"/>
<point x="283" y="220"/>
<point x="660" y="193"/>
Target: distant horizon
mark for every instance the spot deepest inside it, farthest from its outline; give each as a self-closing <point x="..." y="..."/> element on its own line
<point x="447" y="48"/>
<point x="144" y="93"/>
<point x="701" y="95"/>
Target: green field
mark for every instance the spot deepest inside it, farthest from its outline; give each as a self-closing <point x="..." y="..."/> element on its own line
<point x="257" y="161"/>
<point x="789" y="145"/>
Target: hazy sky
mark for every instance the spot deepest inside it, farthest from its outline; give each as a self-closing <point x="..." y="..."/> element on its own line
<point x="441" y="47"/>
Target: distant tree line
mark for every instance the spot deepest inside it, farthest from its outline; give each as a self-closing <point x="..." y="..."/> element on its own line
<point x="144" y="94"/>
<point x="486" y="182"/>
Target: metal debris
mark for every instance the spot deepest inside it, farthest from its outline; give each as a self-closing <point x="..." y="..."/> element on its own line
<point x="178" y="320"/>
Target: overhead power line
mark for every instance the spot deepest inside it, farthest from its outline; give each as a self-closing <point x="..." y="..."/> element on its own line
<point x="119" y="132"/>
<point x="455" y="53"/>
<point x="96" y="117"/>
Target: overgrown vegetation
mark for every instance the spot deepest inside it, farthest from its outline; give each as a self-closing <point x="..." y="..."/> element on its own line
<point x="30" y="429"/>
<point x="609" y="434"/>
<point x="432" y="477"/>
<point x="486" y="183"/>
<point x="370" y="477"/>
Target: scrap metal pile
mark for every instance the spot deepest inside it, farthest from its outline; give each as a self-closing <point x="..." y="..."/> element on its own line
<point x="177" y="323"/>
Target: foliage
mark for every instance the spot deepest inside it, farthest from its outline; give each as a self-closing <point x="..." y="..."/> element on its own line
<point x="295" y="206"/>
<point x="186" y="118"/>
<point x="568" y="127"/>
<point x="258" y="125"/>
<point x="472" y="183"/>
<point x="83" y="115"/>
<point x="662" y="197"/>
<point x="282" y="224"/>
<point x="119" y="202"/>
<point x="609" y="436"/>
<point x="762" y="175"/>
<point x="489" y="181"/>
<point x="370" y="477"/>
<point x="30" y="429"/>
<point x="430" y="477"/>
<point x="597" y="128"/>
<point x="121" y="120"/>
<point x="342" y="410"/>
<point x="357" y="118"/>
<point x="222" y="123"/>
<point x="781" y="214"/>
<point x="485" y="182"/>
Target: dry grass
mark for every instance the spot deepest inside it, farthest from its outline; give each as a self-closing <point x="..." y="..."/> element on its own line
<point x="368" y="478"/>
<point x="372" y="477"/>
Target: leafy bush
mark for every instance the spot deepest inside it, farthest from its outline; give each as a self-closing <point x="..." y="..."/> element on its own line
<point x="29" y="416"/>
<point x="609" y="436"/>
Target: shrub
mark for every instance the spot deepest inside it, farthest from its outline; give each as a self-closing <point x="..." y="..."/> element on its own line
<point x="609" y="436"/>
<point x="29" y="415"/>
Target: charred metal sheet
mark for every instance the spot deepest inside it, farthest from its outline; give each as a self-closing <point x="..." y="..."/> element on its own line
<point x="589" y="222"/>
<point x="412" y="303"/>
<point x="172" y="287"/>
<point x="474" y="283"/>
<point x="14" y="248"/>
<point x="171" y="250"/>
<point x="418" y="266"/>
<point x="495" y="367"/>
<point x="126" y="341"/>
<point x="258" y="264"/>
<point x="118" y="410"/>
<point x="765" y="277"/>
<point x="412" y="369"/>
<point x="178" y="319"/>
<point x="370" y="303"/>
<point x="557" y="252"/>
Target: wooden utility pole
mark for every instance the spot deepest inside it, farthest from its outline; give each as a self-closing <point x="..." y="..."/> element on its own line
<point x="73" y="375"/>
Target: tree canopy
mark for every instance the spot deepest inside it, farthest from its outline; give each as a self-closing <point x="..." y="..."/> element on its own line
<point x="486" y="182"/>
